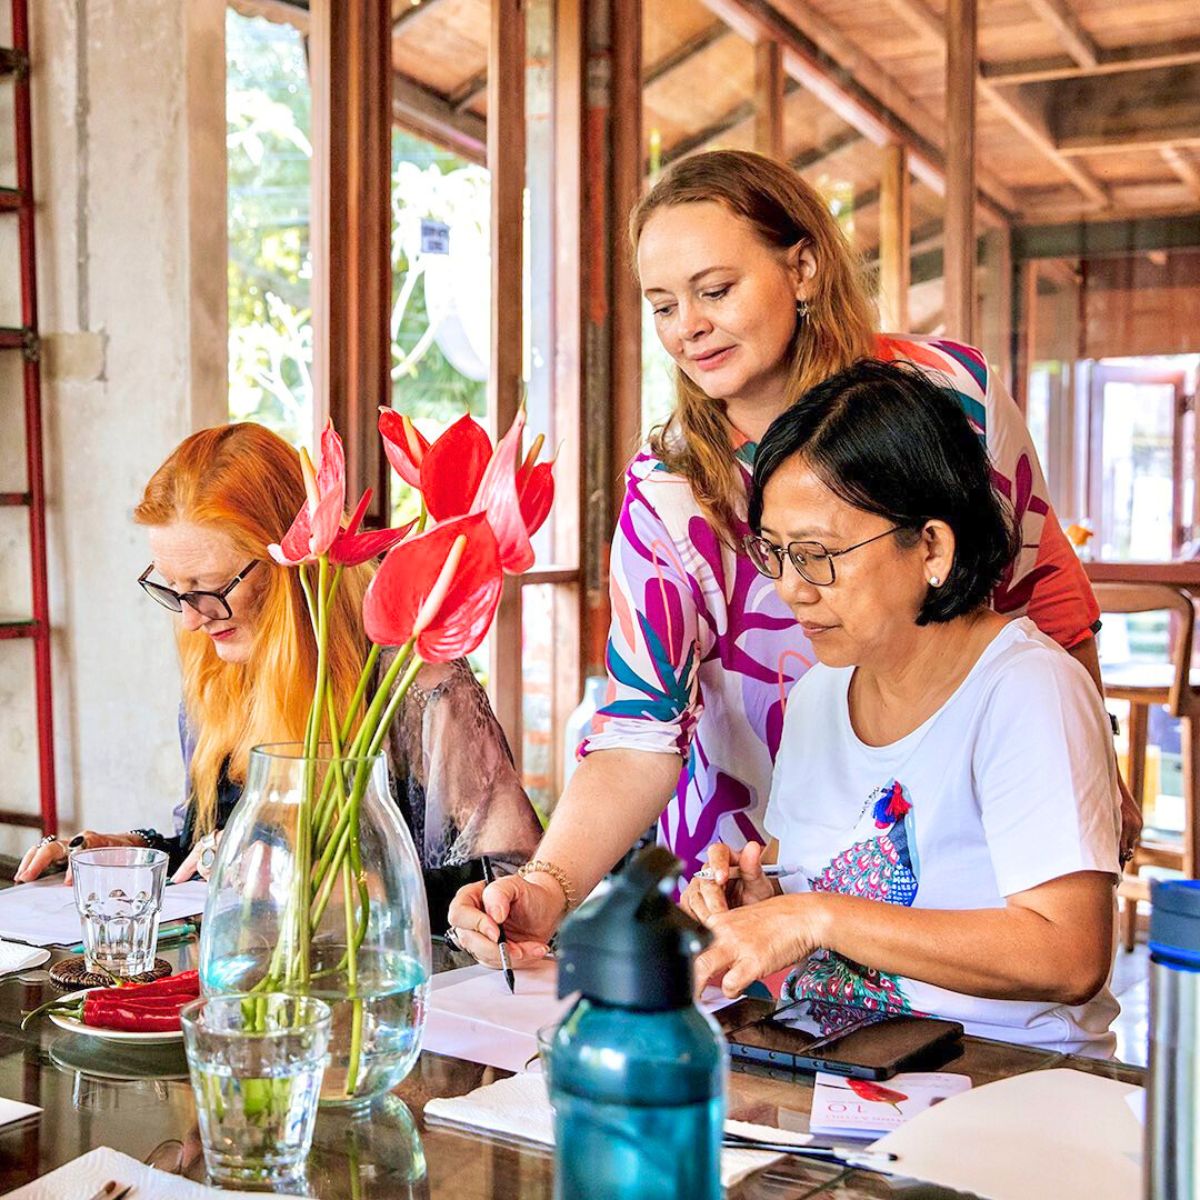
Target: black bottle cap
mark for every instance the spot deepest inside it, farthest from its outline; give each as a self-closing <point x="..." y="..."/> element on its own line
<point x="631" y="946"/>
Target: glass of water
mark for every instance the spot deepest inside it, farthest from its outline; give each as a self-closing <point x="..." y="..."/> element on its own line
<point x="256" y="1061"/>
<point x="118" y="892"/>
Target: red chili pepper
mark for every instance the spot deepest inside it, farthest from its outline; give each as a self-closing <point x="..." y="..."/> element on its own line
<point x="149" y="1003"/>
<point x="132" y="1020"/>
<point x="185" y="984"/>
<point x="185" y="981"/>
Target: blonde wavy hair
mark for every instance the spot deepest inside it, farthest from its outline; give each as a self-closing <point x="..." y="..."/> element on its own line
<point x="784" y="211"/>
<point x="245" y="482"/>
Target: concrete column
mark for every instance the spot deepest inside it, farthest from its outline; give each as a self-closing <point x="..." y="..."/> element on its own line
<point x="129" y="142"/>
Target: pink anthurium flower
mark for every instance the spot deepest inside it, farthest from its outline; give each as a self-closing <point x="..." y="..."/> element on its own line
<point x="403" y="444"/>
<point x="441" y="588"/>
<point x="351" y="548"/>
<point x="453" y="467"/>
<point x="320" y="519"/>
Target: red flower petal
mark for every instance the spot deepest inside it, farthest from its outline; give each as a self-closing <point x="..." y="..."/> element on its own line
<point x="453" y="467"/>
<point x="358" y="514"/>
<point x="408" y="575"/>
<point x="349" y="550"/>
<point x="535" y="487"/>
<point x="398" y="446"/>
<point x="294" y="549"/>
<point x="331" y="474"/>
<point x="497" y="496"/>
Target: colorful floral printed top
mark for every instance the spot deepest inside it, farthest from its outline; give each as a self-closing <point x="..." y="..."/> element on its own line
<point x="702" y="653"/>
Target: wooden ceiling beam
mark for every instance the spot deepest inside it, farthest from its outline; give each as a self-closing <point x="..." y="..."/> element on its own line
<point x="1183" y="167"/>
<point x="469" y="92"/>
<point x="818" y="154"/>
<point x="843" y="87"/>
<point x="688" y="50"/>
<point x="1076" y="40"/>
<point x="1035" y="131"/>
<point x="430" y="115"/>
<point x="1177" y="53"/>
<point x="744" y="112"/>
<point x="1095" y="116"/>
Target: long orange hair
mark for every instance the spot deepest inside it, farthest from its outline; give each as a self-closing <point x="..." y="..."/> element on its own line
<point x="839" y="329"/>
<point x="245" y="481"/>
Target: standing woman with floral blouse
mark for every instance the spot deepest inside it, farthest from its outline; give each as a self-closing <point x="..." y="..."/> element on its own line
<point x="757" y="297"/>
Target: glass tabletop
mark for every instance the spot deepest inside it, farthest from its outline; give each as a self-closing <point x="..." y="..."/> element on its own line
<point x="133" y="1099"/>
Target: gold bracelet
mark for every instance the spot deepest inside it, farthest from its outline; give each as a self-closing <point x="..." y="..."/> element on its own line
<point x="556" y="873"/>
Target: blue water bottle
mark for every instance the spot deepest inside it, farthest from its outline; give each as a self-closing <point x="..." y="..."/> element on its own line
<point x="637" y="1071"/>
<point x="1171" y="1161"/>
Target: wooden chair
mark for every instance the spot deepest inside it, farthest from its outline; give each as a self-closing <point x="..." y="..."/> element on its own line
<point x="1176" y="686"/>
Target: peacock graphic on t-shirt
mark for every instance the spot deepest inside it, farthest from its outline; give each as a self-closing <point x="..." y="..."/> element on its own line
<point x="877" y="868"/>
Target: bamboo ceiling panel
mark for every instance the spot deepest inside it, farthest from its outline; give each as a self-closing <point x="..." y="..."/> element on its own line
<point x="668" y="25"/>
<point x="444" y="47"/>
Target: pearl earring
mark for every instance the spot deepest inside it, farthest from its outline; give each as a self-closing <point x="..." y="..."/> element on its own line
<point x="934" y="581"/>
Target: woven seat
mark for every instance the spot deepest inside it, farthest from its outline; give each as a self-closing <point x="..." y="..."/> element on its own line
<point x="1177" y="687"/>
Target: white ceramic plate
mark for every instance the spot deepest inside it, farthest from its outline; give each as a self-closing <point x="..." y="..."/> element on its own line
<point x="71" y="1025"/>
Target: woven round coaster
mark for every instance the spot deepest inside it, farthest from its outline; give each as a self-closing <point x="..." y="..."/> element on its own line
<point x="70" y="974"/>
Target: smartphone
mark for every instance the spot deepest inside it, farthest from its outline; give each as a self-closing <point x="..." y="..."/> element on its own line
<point x="870" y="1046"/>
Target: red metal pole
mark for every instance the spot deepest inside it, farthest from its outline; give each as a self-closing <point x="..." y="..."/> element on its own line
<point x="33" y="422"/>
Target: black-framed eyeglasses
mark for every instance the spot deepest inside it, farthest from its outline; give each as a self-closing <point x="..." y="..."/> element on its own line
<point x="812" y="560"/>
<point x="212" y="605"/>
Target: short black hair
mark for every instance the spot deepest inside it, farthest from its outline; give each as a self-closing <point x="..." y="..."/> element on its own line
<point x="886" y="438"/>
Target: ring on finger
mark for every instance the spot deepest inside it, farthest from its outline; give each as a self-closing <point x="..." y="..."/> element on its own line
<point x="452" y="937"/>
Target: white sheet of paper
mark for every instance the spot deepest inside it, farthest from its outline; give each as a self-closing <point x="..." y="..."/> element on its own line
<point x="473" y="1016"/>
<point x="1059" y="1133"/>
<point x="91" y="1171"/>
<point x="518" y="1108"/>
<point x="43" y="913"/>
<point x="15" y="1110"/>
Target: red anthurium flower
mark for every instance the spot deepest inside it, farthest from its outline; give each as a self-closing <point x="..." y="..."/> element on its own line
<point x="350" y="548"/>
<point x="319" y="520"/>
<point x="453" y="467"/>
<point x="441" y="588"/>
<point x="403" y="444"/>
<point x="535" y="487"/>
<point x="498" y="497"/>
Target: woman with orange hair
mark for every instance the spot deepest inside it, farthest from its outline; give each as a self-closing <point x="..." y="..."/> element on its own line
<point x="757" y="298"/>
<point x="248" y="662"/>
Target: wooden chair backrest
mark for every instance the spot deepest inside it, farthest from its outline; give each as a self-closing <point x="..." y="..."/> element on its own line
<point x="1158" y="597"/>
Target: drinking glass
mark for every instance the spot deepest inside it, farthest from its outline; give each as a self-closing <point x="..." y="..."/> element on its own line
<point x="118" y="892"/>
<point x="256" y="1062"/>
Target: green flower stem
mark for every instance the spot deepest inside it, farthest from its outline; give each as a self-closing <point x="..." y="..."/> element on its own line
<point x="342" y="840"/>
<point x="356" y="1021"/>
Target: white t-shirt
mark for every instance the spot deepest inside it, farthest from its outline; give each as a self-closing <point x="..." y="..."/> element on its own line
<point x="1010" y="784"/>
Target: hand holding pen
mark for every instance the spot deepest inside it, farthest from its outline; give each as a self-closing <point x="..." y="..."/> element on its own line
<point x="489" y="876"/>
<point x="730" y="879"/>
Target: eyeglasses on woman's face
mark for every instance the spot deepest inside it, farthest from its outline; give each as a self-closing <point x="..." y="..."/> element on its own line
<point x="212" y="605"/>
<point x="812" y="560"/>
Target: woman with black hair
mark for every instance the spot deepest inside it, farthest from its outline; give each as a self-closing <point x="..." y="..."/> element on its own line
<point x="939" y="758"/>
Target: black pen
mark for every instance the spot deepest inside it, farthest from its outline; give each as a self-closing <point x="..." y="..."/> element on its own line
<point x="490" y="877"/>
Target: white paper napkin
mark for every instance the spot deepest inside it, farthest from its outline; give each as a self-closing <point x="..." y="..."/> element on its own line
<point x="16" y="957"/>
<point x="519" y="1108"/>
<point x="91" y="1171"/>
<point x="15" y="1110"/>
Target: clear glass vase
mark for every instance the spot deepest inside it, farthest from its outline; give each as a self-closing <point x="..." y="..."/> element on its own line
<point x="364" y="946"/>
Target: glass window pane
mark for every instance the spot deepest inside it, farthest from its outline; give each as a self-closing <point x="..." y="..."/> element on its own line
<point x="269" y="155"/>
<point x="1137" y="484"/>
